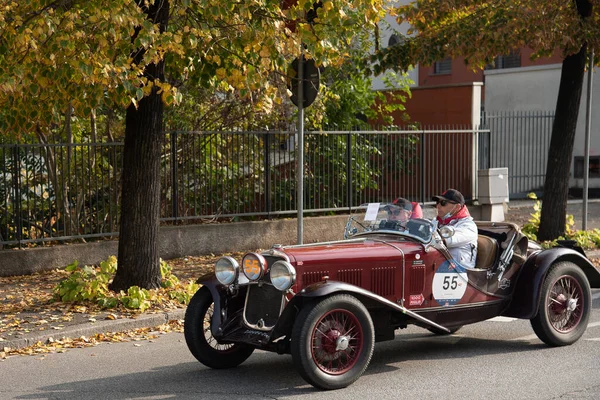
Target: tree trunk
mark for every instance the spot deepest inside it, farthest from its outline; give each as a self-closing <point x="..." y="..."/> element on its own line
<point x="556" y="186"/>
<point x="138" y="258"/>
<point x="560" y="153"/>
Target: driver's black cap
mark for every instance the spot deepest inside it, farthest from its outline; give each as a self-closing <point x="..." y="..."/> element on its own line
<point x="451" y="195"/>
<point x="403" y="203"/>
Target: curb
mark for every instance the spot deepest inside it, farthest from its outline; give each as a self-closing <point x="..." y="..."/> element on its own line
<point x="90" y="329"/>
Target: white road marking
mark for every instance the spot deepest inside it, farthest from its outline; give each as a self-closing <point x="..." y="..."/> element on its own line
<point x="525" y="338"/>
<point x="596" y="296"/>
<point x="503" y="319"/>
<point x="531" y="337"/>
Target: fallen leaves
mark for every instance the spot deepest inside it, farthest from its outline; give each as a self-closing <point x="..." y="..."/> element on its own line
<point x="61" y="345"/>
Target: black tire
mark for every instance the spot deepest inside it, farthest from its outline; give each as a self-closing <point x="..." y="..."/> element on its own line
<point x="200" y="340"/>
<point x="442" y="333"/>
<point x="565" y="304"/>
<point x="318" y="333"/>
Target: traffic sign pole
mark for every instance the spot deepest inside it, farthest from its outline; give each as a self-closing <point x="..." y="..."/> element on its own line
<point x="300" y="148"/>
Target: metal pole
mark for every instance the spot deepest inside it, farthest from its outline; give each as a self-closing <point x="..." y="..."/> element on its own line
<point x="588" y="129"/>
<point x="300" y="147"/>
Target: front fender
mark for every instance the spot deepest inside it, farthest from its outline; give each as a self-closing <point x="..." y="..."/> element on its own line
<point x="210" y="283"/>
<point x="325" y="288"/>
<point x="526" y="298"/>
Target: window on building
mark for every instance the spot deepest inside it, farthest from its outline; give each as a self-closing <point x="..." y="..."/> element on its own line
<point x="394" y="40"/>
<point x="511" y="60"/>
<point x="442" y="67"/>
<point x="594" y="171"/>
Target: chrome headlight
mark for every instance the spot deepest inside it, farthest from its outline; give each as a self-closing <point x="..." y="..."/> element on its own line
<point x="227" y="270"/>
<point x="283" y="275"/>
<point x="254" y="266"/>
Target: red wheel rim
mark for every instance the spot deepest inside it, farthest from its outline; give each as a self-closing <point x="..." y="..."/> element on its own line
<point x="337" y="341"/>
<point x="565" y="304"/>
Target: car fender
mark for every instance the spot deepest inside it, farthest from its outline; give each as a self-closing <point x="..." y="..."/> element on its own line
<point x="326" y="288"/>
<point x="219" y="294"/>
<point x="526" y="299"/>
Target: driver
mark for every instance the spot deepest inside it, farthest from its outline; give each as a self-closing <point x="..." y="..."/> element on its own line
<point x="452" y="211"/>
<point x="398" y="214"/>
<point x="402" y="212"/>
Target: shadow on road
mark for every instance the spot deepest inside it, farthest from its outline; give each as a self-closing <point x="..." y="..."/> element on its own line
<point x="266" y="375"/>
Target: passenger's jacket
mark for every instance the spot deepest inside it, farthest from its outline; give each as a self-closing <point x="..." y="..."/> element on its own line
<point x="463" y="244"/>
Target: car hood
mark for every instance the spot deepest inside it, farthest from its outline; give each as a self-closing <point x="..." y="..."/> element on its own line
<point x="356" y="252"/>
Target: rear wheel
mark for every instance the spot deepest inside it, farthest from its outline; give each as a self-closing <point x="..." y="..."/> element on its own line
<point x="333" y="341"/>
<point x="565" y="303"/>
<point x="200" y="340"/>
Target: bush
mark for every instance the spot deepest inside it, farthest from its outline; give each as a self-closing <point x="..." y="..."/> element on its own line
<point x="90" y="284"/>
<point x="589" y="239"/>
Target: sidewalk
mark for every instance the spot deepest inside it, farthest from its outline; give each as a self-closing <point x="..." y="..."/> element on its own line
<point x="28" y="315"/>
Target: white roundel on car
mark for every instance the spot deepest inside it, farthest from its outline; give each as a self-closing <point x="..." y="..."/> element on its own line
<point x="449" y="283"/>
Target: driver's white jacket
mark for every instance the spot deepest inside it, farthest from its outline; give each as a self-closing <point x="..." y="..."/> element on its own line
<point x="463" y="244"/>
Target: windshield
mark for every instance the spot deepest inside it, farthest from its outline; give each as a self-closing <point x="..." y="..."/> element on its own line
<point x="388" y="218"/>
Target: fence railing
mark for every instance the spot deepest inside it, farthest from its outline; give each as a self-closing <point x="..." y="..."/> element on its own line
<point x="63" y="192"/>
<point x="519" y="141"/>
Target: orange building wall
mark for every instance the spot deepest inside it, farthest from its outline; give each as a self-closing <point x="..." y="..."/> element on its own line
<point x="461" y="73"/>
<point x="443" y="105"/>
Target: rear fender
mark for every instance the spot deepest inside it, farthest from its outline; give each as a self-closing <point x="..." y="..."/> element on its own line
<point x="526" y="298"/>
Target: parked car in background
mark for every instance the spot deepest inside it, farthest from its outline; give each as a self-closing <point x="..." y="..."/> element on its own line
<point x="327" y="304"/>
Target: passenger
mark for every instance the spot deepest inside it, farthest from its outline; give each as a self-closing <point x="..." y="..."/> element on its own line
<point x="452" y="211"/>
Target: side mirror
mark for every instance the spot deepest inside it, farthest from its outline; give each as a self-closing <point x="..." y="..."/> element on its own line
<point x="446" y="231"/>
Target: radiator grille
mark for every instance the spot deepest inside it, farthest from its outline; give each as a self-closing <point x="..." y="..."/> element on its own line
<point x="351" y="276"/>
<point x="382" y="281"/>
<point x="263" y="303"/>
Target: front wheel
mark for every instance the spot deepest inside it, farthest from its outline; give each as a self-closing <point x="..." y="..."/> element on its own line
<point x="200" y="340"/>
<point x="333" y="341"/>
<point x="565" y="304"/>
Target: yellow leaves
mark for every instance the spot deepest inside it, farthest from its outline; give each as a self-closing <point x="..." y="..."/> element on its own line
<point x="265" y="52"/>
<point x="221" y="73"/>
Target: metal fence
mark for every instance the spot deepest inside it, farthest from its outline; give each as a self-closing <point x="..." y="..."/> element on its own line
<point x="520" y="141"/>
<point x="63" y="192"/>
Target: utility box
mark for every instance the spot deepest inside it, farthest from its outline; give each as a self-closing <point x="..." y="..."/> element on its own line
<point x="493" y="185"/>
<point x="493" y="193"/>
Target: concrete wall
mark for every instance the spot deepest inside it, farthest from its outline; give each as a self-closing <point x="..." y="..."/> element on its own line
<point x="174" y="242"/>
<point x="536" y="88"/>
<point x="191" y="240"/>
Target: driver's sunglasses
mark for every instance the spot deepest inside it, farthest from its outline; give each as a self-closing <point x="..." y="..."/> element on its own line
<point x="443" y="202"/>
<point x="397" y="212"/>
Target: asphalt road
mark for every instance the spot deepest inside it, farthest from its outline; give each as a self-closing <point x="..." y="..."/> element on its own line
<point x="497" y="359"/>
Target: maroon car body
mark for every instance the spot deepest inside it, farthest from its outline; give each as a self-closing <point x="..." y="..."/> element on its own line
<point x="328" y="303"/>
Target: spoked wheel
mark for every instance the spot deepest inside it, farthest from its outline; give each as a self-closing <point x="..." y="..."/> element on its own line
<point x="565" y="303"/>
<point x="333" y="341"/>
<point x="200" y="340"/>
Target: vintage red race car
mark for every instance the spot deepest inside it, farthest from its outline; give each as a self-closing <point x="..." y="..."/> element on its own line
<point x="328" y="303"/>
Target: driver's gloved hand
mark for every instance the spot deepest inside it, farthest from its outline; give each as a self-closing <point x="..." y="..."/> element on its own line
<point x="388" y="225"/>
